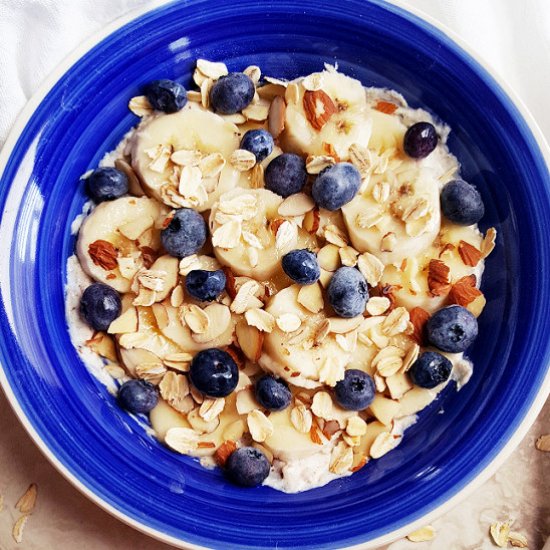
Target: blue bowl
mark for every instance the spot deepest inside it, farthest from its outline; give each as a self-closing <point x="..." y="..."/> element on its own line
<point x="458" y="441"/>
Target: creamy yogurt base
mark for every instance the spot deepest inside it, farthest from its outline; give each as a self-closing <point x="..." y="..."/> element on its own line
<point x="312" y="468"/>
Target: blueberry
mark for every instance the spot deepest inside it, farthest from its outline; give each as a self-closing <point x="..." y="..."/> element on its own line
<point x="260" y="142"/>
<point x="301" y="266"/>
<point x="214" y="372"/>
<point x="452" y="329"/>
<point x="286" y="174"/>
<point x="166" y="95"/>
<point x="185" y="234"/>
<point x="272" y="393"/>
<point x="420" y="140"/>
<point x="355" y="391"/>
<point x="138" y="396"/>
<point x="336" y="186"/>
<point x="100" y="305"/>
<point x="461" y="203"/>
<point x="430" y="370"/>
<point x="106" y="184"/>
<point x="232" y="93"/>
<point x="247" y="467"/>
<point x="205" y="285"/>
<point x="347" y="292"/>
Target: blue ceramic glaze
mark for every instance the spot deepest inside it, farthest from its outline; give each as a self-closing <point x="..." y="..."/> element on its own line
<point x="85" y="115"/>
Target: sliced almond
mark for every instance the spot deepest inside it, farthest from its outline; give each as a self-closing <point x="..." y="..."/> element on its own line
<point x="242" y="160"/>
<point x="125" y="323"/>
<point x="311" y="297"/>
<point x="286" y="238"/>
<point x="177" y="296"/>
<point x="335" y="235"/>
<point x="160" y="157"/>
<point x="370" y="267"/>
<point x="316" y="164"/>
<point x="115" y="371"/>
<point x="242" y="300"/>
<point x="250" y="340"/>
<point x="219" y="317"/>
<point x="224" y="451"/>
<point x="296" y="205"/>
<point x="201" y="425"/>
<point x="212" y="69"/>
<point x="328" y="257"/>
<point x="27" y="501"/>
<point x="348" y="256"/>
<point x="348" y="342"/>
<point x="341" y="459"/>
<point x="182" y="440"/>
<point x="103" y="345"/>
<point x="140" y="106"/>
<point x="322" y="405"/>
<point x="259" y="425"/>
<point x="383" y="444"/>
<point x="341" y="325"/>
<point x="488" y="242"/>
<point x="211" y="408"/>
<point x="270" y="91"/>
<point x="422" y="535"/>
<point x="311" y="221"/>
<point x="258" y="110"/>
<point x="276" y="116"/>
<point x="438" y="277"/>
<point x="410" y="357"/>
<point x="260" y="319"/>
<point x="253" y="72"/>
<point x="398" y="384"/>
<point x="318" y="108"/>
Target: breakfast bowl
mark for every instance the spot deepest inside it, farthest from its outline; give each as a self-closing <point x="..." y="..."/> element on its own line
<point x="81" y="113"/>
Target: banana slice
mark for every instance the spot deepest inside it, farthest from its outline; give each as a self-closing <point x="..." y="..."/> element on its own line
<point x="387" y="131"/>
<point x="304" y="357"/>
<point x="286" y="442"/>
<point x="350" y="122"/>
<point x="231" y="426"/>
<point x="192" y="129"/>
<point x="411" y="278"/>
<point x="395" y="219"/>
<point x="250" y="236"/>
<point x="104" y="224"/>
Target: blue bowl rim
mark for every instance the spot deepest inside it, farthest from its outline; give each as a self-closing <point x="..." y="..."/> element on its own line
<point x="478" y="64"/>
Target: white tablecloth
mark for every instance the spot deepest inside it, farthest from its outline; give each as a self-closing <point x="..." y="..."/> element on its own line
<point x="35" y="35"/>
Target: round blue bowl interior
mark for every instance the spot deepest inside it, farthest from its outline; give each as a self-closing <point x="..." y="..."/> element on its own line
<point x="85" y="115"/>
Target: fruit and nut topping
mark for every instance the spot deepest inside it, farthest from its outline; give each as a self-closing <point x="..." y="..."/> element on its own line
<point x="280" y="272"/>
